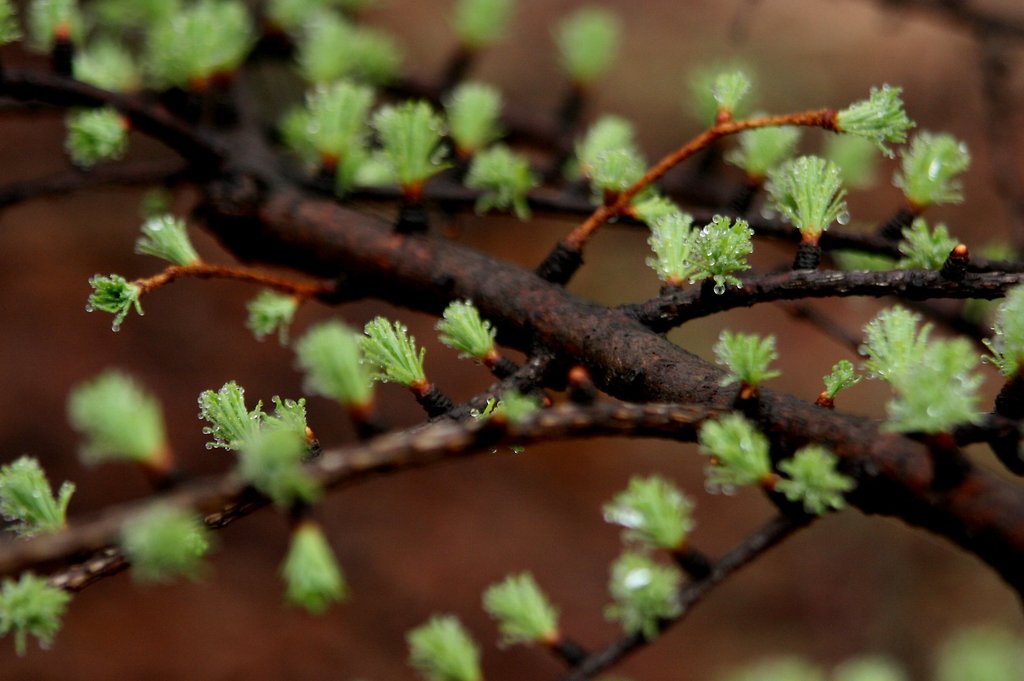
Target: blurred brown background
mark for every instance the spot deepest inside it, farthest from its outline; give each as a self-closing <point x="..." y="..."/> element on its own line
<point x="430" y="541"/>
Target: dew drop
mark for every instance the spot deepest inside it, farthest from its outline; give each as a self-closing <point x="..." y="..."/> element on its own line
<point x="719" y="289"/>
<point x="843" y="217"/>
<point x="115" y="327"/>
<point x="89" y="308"/>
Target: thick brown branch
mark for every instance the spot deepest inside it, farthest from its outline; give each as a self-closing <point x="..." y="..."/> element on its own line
<point x="896" y="475"/>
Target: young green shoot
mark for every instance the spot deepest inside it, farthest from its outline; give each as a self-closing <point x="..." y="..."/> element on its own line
<point x="108" y="65"/>
<point x="653" y="512"/>
<point x="946" y="368"/>
<point x="473" y="111"/>
<point x="311" y="573"/>
<point x="728" y="90"/>
<point x="333" y="48"/>
<point x="336" y="126"/>
<point x="856" y="158"/>
<point x="614" y="171"/>
<point x="391" y="353"/>
<point x="881" y="118"/>
<point x="739" y="455"/>
<point x="515" y="408"/>
<point x="672" y="241"/>
<point x="524" y="613"/>
<point x="27" y="501"/>
<point x="652" y="207"/>
<point x="116" y="295"/>
<point x="929" y="170"/>
<point x="50" y="21"/>
<point x="442" y="650"/>
<point x="505" y="178"/>
<point x="763" y="149"/>
<point x="165" y="237"/>
<point x="813" y="481"/>
<point x="746" y="356"/>
<point x="271" y="312"/>
<point x="980" y="653"/>
<point x="842" y="376"/>
<point x="481" y="23"/>
<point x="163" y="543"/>
<point x="231" y="424"/>
<point x="925" y="249"/>
<point x="645" y="594"/>
<point x="605" y="134"/>
<point x="410" y="134"/>
<point x="892" y="342"/>
<point x="588" y="42"/>
<point x="96" y="136"/>
<point x="1007" y="342"/>
<point x="30" y="606"/>
<point x="462" y="329"/>
<point x="201" y="42"/>
<point x="808" y="192"/>
<point x="272" y="462"/>
<point x="119" y="421"/>
<point x="9" y="29"/>
<point x="330" y="354"/>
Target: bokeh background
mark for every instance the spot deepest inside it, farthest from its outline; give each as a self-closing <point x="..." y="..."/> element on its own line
<point x="430" y="541"/>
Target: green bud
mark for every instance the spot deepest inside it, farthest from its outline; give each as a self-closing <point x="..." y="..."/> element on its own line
<point x="27" y="500"/>
<point x="462" y="329"/>
<point x="892" y="341"/>
<point x="606" y="134"/>
<point x="1007" y="342"/>
<point x="762" y="149"/>
<point x="719" y="249"/>
<point x="9" y="29"/>
<point x="337" y="122"/>
<point x="843" y="376"/>
<point x="856" y="158"/>
<point x="31" y="606"/>
<point x="231" y="424"/>
<point x="515" y="408"/>
<point x="118" y="419"/>
<point x="729" y="89"/>
<point x="331" y="357"/>
<point x="588" y="42"/>
<point x="808" y="192"/>
<point x="114" y="294"/>
<point x="747" y="357"/>
<point x="981" y="654"/>
<point x="108" y="65"/>
<point x="739" y="454"/>
<point x="50" y="19"/>
<point x="333" y="48"/>
<point x="880" y="118"/>
<point x="391" y="352"/>
<point x="164" y="542"/>
<point x="616" y="170"/>
<point x="523" y="612"/>
<point x="672" y="241"/>
<point x="312" y="575"/>
<point x="645" y="593"/>
<point x="165" y="237"/>
<point x="96" y="135"/>
<point x="271" y="461"/>
<point x="271" y="311"/>
<point x="925" y="249"/>
<point x="442" y="650"/>
<point x="505" y="178"/>
<point x="410" y="134"/>
<point x="481" y="23"/>
<point x="473" y="111"/>
<point x="930" y="168"/>
<point x="653" y="512"/>
<point x="814" y="481"/>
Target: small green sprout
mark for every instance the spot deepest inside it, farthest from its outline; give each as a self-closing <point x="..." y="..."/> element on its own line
<point x="881" y="118"/>
<point x="1007" y="342"/>
<point x="271" y="311"/>
<point x="391" y="352"/>
<point x="116" y="295"/>
<point x="311" y="572"/>
<point x="231" y="424"/>
<point x="588" y="41"/>
<point x="653" y="512"/>
<point x="481" y="23"/>
<point x="524" y="613"/>
<point x="653" y="207"/>
<point x="871" y="668"/>
<point x="925" y="249"/>
<point x="336" y="126"/>
<point x="163" y="543"/>
<point x="842" y="376"/>
<point x="462" y="329"/>
<point x="614" y="171"/>
<point x="645" y="594"/>
<point x="31" y="606"/>
<point x="271" y="461"/>
<point x="9" y="29"/>
<point x="856" y="158"/>
<point x="747" y="357"/>
<point x="892" y="342"/>
<point x="672" y="241"/>
<point x="808" y="192"/>
<point x="118" y="419"/>
<point x="762" y="149"/>
<point x="739" y="454"/>
<point x="410" y="134"/>
<point x="728" y="90"/>
<point x="946" y="368"/>
<point x="442" y="650"/>
<point x="291" y="15"/>
<point x="334" y="48"/>
<point x="720" y="249"/>
<point x="96" y="135"/>
<point x="52" y="20"/>
<point x="929" y="170"/>
<point x="289" y="415"/>
<point x="505" y="178"/>
<point x="331" y="357"/>
<point x="108" y="65"/>
<point x="515" y="408"/>
<point x="201" y="41"/>
<point x="473" y="110"/>
<point x="605" y="134"/>
<point x="27" y="500"/>
<point x="980" y="654"/>
<point x="165" y="237"/>
<point x="812" y="480"/>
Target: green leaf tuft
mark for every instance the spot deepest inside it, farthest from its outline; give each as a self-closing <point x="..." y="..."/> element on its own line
<point x="50" y="19"/>
<point x="762" y="149"/>
<point x="930" y="168"/>
<point x="27" y="500"/>
<point x="30" y="606"/>
<point x="673" y="243"/>
<point x="114" y="294"/>
<point x="462" y="329"/>
<point x="333" y="48"/>
<point x="588" y="42"/>
<point x="311" y="573"/>
<point x="1007" y="342"/>
<point x="410" y="134"/>
<point x="271" y="461"/>
<point x="331" y="356"/>
<point x="808" y="192"/>
<point x="728" y="90"/>
<point x="473" y="110"/>
<point x="9" y="29"/>
<point x="165" y="237"/>
<point x="163" y="543"/>
<point x="880" y="118"/>
<point x="108" y="65"/>
<point x="645" y="594"/>
<point x="523" y="612"/>
<point x="118" y="419"/>
<point x="506" y="179"/>
<point x="442" y="650"/>
<point x="814" y="481"/>
<point x="843" y="376"/>
<point x="271" y="311"/>
<point x="856" y="158"/>
<point x="391" y="352"/>
<point x="95" y="136"/>
<point x="747" y="357"/>
<point x="653" y="512"/>
<point x="719" y="249"/>
<point x="231" y="424"/>
<point x="923" y="248"/>
<point x="739" y="454"/>
<point x="481" y="23"/>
